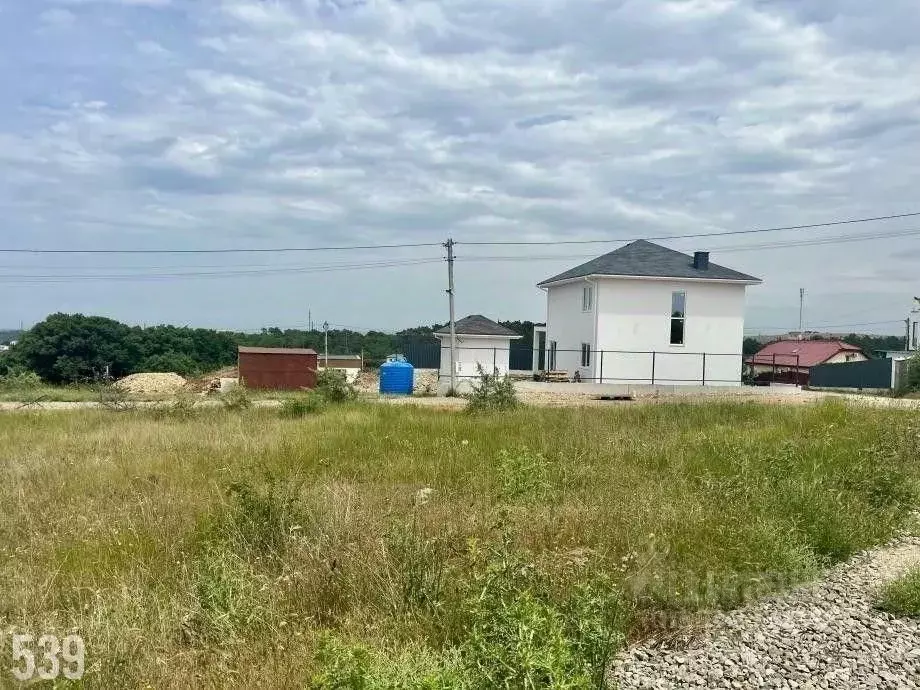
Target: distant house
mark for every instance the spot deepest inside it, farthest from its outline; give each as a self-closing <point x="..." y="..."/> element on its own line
<point x="790" y="360"/>
<point x="350" y="364"/>
<point x="481" y="342"/>
<point x="647" y="314"/>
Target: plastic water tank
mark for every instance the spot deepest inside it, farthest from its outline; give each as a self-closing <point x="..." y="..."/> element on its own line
<point x="397" y="376"/>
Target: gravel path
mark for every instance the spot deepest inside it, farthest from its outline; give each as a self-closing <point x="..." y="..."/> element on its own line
<point x="823" y="635"/>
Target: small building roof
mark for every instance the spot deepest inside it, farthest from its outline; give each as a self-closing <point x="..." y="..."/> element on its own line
<point x="477" y="324"/>
<point x="275" y="351"/>
<point x="644" y="259"/>
<point x="802" y="353"/>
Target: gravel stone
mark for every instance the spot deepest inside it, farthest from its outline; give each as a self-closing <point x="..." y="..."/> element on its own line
<point x="822" y="635"/>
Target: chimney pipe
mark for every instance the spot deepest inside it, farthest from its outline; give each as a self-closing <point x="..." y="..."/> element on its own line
<point x="701" y="261"/>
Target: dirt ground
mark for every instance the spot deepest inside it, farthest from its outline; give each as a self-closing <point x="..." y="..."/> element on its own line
<point x="549" y="395"/>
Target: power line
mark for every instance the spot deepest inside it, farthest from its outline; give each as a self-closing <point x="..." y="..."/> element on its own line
<point x="813" y="327"/>
<point x="734" y="248"/>
<point x="695" y="235"/>
<point x="294" y="268"/>
<point x="32" y="278"/>
<point x="849" y="221"/>
<point x="263" y="250"/>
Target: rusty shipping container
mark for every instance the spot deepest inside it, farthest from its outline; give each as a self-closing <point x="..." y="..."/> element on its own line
<point x="277" y="368"/>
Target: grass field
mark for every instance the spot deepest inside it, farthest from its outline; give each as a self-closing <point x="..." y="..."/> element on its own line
<point x="47" y="393"/>
<point x="211" y="548"/>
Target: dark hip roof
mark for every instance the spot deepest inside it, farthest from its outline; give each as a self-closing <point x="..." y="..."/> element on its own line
<point x="645" y="259"/>
<point x="476" y="324"/>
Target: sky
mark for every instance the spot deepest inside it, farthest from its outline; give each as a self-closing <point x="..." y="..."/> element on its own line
<point x="263" y="124"/>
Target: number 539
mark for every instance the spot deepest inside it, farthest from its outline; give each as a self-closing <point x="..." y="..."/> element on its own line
<point x="50" y="653"/>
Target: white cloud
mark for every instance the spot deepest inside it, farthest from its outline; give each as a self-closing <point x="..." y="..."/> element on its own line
<point x="250" y="121"/>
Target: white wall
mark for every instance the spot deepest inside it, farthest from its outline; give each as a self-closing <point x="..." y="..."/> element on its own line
<point x="351" y="373"/>
<point x="491" y="353"/>
<point x="569" y="326"/>
<point x="841" y="357"/>
<point x="635" y="315"/>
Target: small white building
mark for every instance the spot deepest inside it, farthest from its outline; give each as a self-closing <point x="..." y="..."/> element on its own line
<point x="480" y="342"/>
<point x="646" y="314"/>
<point x="350" y="364"/>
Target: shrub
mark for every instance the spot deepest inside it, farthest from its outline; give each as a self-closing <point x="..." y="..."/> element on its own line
<point x="18" y="380"/>
<point x="333" y="385"/>
<point x="492" y="392"/>
<point x="522" y="473"/>
<point x="114" y="397"/>
<point x="265" y="517"/>
<point x="902" y="597"/>
<point x="229" y="598"/>
<point x="236" y="399"/>
<point x="523" y="632"/>
<point x="182" y="406"/>
<point x="301" y="406"/>
<point x="912" y="381"/>
<point x="346" y="666"/>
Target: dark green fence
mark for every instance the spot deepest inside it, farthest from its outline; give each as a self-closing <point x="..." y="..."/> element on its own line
<point x="875" y="373"/>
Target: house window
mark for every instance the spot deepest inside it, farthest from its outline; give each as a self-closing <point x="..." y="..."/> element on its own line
<point x="585" y="355"/>
<point x="678" y="317"/>
<point x="587" y="298"/>
<point x="551" y="365"/>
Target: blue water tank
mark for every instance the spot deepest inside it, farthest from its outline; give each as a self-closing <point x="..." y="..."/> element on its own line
<point x="397" y="376"/>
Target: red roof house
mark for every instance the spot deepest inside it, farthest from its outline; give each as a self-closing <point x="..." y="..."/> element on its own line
<point x="798" y="356"/>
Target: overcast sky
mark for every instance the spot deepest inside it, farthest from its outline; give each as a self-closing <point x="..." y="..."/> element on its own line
<point x="194" y="124"/>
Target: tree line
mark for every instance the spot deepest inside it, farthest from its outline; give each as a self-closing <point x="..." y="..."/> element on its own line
<point x="69" y="348"/>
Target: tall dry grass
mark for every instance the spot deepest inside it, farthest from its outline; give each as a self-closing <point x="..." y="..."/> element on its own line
<point x="251" y="549"/>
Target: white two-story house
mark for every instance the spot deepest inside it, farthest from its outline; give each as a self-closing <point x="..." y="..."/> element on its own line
<point x="646" y="314"/>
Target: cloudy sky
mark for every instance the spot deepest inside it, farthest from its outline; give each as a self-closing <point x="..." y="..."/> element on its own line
<point x="258" y="124"/>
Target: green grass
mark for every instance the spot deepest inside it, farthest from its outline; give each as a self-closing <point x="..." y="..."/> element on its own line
<point x="252" y="549"/>
<point x="902" y="597"/>
<point x="49" y="393"/>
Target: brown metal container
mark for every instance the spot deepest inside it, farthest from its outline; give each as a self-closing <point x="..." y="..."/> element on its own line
<point x="277" y="368"/>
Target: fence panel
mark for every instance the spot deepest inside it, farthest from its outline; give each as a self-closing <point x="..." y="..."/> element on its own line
<point x="875" y="373"/>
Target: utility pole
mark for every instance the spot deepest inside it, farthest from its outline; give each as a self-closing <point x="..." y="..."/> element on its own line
<point x="801" y="312"/>
<point x="310" y="319"/>
<point x="326" y="335"/>
<point x="453" y="333"/>
<point x="915" y="345"/>
<point x="907" y="334"/>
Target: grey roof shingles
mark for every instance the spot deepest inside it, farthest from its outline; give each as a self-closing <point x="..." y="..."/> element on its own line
<point x="477" y="324"/>
<point x="644" y="259"/>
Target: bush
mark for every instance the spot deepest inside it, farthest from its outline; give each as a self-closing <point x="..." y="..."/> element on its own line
<point x="265" y="517"/>
<point x="493" y="392"/>
<point x="20" y="380"/>
<point x="522" y="473"/>
<point x="523" y="632"/>
<point x="302" y="405"/>
<point x="183" y="406"/>
<point x="333" y="385"/>
<point x="236" y="399"/>
<point x="902" y="597"/>
<point x="353" y="666"/>
<point x="912" y="381"/>
<point x="229" y="598"/>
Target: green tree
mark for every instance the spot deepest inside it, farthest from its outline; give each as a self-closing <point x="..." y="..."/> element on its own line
<point x="73" y="347"/>
<point x="751" y="346"/>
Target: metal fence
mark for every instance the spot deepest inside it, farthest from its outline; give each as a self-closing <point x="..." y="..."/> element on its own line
<point x="598" y="366"/>
<point x="778" y="368"/>
<point x="874" y="373"/>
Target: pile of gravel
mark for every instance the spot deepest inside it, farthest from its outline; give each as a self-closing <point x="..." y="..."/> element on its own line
<point x="151" y="384"/>
<point x="823" y="635"/>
